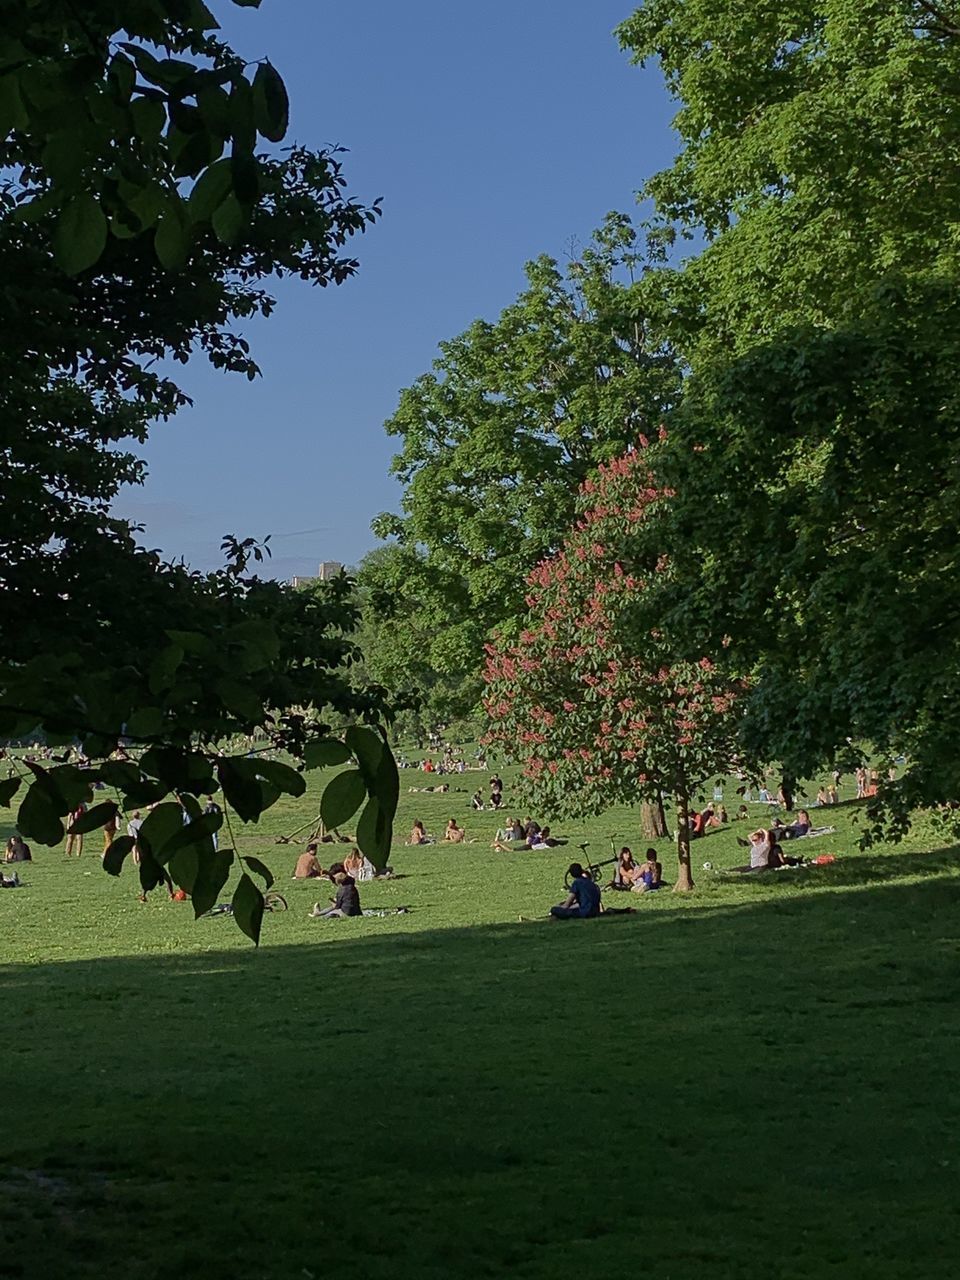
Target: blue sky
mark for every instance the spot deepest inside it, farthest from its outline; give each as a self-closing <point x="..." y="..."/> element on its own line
<point x="494" y="133"/>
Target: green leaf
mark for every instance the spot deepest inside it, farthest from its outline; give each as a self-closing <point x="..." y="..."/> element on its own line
<point x="241" y="789"/>
<point x="210" y="190"/>
<point x="245" y="177"/>
<point x="12" y="112"/>
<point x="160" y="826"/>
<point x="92" y="818"/>
<point x="179" y="769"/>
<point x="243" y="127"/>
<point x="120" y="846"/>
<point x="145" y="723"/>
<point x="374" y="833"/>
<point x="387" y="785"/>
<point x="325" y="752"/>
<point x="261" y="869"/>
<point x="139" y="795"/>
<point x="247" y="4"/>
<point x="342" y="797"/>
<point x="8" y="789"/>
<point x="122" y="76"/>
<point x="367" y="745"/>
<point x="71" y="784"/>
<point x="184" y="866"/>
<point x="119" y="773"/>
<point x="37" y="817"/>
<point x="271" y="106"/>
<point x="282" y="776"/>
<point x="212" y="875"/>
<point x="202" y="18"/>
<point x="151" y="872"/>
<point x="229" y="220"/>
<point x="164" y="667"/>
<point x="240" y="699"/>
<point x="149" y="118"/>
<point x="191" y="833"/>
<point x="172" y="238"/>
<point x="81" y="234"/>
<point x="248" y="908"/>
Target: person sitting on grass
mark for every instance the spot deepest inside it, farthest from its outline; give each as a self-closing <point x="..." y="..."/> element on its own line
<point x="625" y="872"/>
<point x="583" y="900"/>
<point x="717" y="818"/>
<point x="650" y="874"/>
<point x="359" y="866"/>
<point x="477" y="802"/>
<point x="801" y="827"/>
<point x="418" y="834"/>
<point x="453" y="833"/>
<point x="308" y="865"/>
<point x="760" y="844"/>
<point x="543" y="840"/>
<point x="742" y="814"/>
<point x="508" y="835"/>
<point x="17" y="850"/>
<point x="346" y="903"/>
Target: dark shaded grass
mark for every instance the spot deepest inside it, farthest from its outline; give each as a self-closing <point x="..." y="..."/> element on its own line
<point x="761" y="1089"/>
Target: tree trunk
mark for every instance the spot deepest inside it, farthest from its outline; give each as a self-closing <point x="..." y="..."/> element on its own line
<point x="684" y="870"/>
<point x="653" y="821"/>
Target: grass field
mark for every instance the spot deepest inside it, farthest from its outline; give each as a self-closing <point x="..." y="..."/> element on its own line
<point x="752" y="1081"/>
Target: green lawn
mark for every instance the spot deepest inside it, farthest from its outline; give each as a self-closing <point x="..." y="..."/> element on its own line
<point x="754" y="1081"/>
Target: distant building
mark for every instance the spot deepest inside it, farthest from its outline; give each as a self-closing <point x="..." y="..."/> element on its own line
<point x="327" y="569"/>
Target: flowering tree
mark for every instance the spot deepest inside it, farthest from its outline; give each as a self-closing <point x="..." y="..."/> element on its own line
<point x="597" y="712"/>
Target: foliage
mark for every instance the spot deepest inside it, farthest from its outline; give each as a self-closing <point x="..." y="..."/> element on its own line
<point x="411" y="647"/>
<point x="820" y="148"/>
<point x="814" y="522"/>
<point x="146" y="243"/>
<point x="515" y="416"/>
<point x="600" y="714"/>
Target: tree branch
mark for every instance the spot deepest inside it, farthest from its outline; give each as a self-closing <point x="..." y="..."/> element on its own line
<point x="942" y="22"/>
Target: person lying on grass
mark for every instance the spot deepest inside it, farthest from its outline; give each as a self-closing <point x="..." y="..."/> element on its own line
<point x="453" y="833"/>
<point x="583" y="900"/>
<point x="346" y="903"/>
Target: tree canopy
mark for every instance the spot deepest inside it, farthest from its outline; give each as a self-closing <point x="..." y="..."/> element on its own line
<point x="812" y="451"/>
<point x="597" y="714"/>
<point x="516" y="414"/>
<point x="138" y="202"/>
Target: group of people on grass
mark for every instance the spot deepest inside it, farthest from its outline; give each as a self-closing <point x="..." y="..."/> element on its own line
<point x="766" y="847"/>
<point x="584" y="895"/>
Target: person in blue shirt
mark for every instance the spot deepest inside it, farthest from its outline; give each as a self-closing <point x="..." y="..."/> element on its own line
<point x="583" y="900"/>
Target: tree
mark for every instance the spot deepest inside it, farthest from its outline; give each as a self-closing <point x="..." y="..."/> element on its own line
<point x="515" y="416"/>
<point x="118" y="210"/>
<point x="597" y="714"/>
<point x="411" y="646"/>
<point x="813" y="449"/>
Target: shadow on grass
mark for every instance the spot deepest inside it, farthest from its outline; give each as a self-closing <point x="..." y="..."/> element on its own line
<point x="457" y="1103"/>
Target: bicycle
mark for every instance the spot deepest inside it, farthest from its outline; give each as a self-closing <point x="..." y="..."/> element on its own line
<point x="593" y="869"/>
<point x="272" y="901"/>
